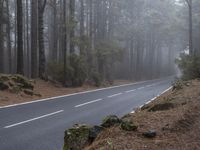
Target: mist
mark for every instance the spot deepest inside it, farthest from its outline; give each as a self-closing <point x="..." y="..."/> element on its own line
<point x="107" y="39"/>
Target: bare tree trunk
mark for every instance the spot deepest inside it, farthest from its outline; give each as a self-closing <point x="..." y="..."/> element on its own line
<point x="34" y="37"/>
<point x="1" y="37"/>
<point x="72" y="25"/>
<point x="20" y="62"/>
<point x="8" y="27"/>
<point x="82" y="28"/>
<point x="41" y="8"/>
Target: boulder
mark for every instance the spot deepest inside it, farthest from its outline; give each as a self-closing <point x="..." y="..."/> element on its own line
<point x="76" y="138"/>
<point x="94" y="132"/>
<point x="15" y="89"/>
<point x="4" y="78"/>
<point x="110" y="121"/>
<point x="22" y="81"/>
<point x="128" y="126"/>
<point x="150" y="134"/>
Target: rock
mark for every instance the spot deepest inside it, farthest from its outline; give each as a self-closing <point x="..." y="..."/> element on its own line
<point x="29" y="92"/>
<point x="161" y="107"/>
<point x="3" y="86"/>
<point x="110" y="121"/>
<point x="15" y="89"/>
<point x="128" y="126"/>
<point x="94" y="131"/>
<point x="23" y="81"/>
<point x="150" y="134"/>
<point x="77" y="137"/>
<point x="4" y="78"/>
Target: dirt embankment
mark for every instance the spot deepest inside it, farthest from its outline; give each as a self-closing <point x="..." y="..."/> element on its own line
<point x="174" y="119"/>
<point x="12" y="90"/>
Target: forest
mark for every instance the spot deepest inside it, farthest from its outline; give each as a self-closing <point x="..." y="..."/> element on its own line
<point x="74" y="41"/>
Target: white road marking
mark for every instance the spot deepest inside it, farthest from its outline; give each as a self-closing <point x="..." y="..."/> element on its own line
<point x="88" y="103"/>
<point x="85" y="92"/>
<point x="153" y="98"/>
<point x="114" y="95"/>
<point x="131" y="91"/>
<point x="30" y="120"/>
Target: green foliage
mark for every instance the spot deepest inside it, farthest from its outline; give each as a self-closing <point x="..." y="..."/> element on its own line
<point x="108" y="54"/>
<point x="76" y="71"/>
<point x="97" y="79"/>
<point x="190" y="66"/>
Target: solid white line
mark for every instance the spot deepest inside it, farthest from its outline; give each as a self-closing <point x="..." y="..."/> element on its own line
<point x="114" y="95"/>
<point x="88" y="103"/>
<point x="62" y="96"/>
<point x="30" y="120"/>
<point x="154" y="98"/>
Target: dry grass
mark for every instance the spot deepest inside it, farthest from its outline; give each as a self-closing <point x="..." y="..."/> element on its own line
<point x="46" y="89"/>
<point x="177" y="128"/>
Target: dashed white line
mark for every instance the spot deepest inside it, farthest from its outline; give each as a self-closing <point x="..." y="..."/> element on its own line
<point x="30" y="120"/>
<point x="131" y="91"/>
<point x="114" y="95"/>
<point x="90" y="102"/>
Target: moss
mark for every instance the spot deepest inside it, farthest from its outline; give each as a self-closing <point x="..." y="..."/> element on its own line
<point x="128" y="126"/>
<point x="110" y="121"/>
<point x="77" y="137"/>
<point x="23" y="81"/>
<point x="4" y="78"/>
<point x="15" y="89"/>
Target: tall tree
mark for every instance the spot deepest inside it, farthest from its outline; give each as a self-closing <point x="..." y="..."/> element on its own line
<point x="34" y="38"/>
<point x="20" y="59"/>
<point x="41" y="8"/>
<point x="8" y="28"/>
<point x="72" y="25"/>
<point x="1" y="37"/>
<point x="189" y="3"/>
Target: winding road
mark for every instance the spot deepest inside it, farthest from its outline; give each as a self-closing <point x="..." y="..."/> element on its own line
<point x="40" y="125"/>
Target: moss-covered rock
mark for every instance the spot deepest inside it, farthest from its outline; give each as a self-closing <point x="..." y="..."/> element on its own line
<point x="24" y="82"/>
<point x="15" y="89"/>
<point x="76" y="138"/>
<point x="4" y="77"/>
<point x="110" y="121"/>
<point x="128" y="126"/>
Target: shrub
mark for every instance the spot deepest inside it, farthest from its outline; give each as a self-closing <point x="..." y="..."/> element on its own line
<point x="190" y="66"/>
<point x="76" y="71"/>
<point x="96" y="78"/>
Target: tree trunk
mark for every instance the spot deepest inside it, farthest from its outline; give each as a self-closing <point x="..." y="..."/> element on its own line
<point x="72" y="26"/>
<point x="1" y="37"/>
<point x="20" y="65"/>
<point x="34" y="37"/>
<point x="41" y="8"/>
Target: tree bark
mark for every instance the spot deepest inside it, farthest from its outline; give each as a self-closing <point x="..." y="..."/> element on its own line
<point x="20" y="62"/>
<point x="34" y="38"/>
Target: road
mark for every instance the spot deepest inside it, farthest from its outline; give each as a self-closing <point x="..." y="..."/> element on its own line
<point x="40" y="125"/>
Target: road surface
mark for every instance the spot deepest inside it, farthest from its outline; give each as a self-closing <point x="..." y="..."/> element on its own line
<point x="40" y="125"/>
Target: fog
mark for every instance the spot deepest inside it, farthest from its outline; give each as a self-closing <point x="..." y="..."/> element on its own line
<point x="90" y="39"/>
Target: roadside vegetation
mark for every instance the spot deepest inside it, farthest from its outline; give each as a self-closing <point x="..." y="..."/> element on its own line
<point x="169" y="122"/>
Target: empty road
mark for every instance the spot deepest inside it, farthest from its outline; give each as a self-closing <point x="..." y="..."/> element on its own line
<point x="40" y="125"/>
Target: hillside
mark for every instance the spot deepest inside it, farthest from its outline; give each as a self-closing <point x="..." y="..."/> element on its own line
<point x="171" y="122"/>
<point x="175" y="117"/>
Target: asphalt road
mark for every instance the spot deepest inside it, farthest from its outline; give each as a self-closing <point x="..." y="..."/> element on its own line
<point x="40" y="125"/>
